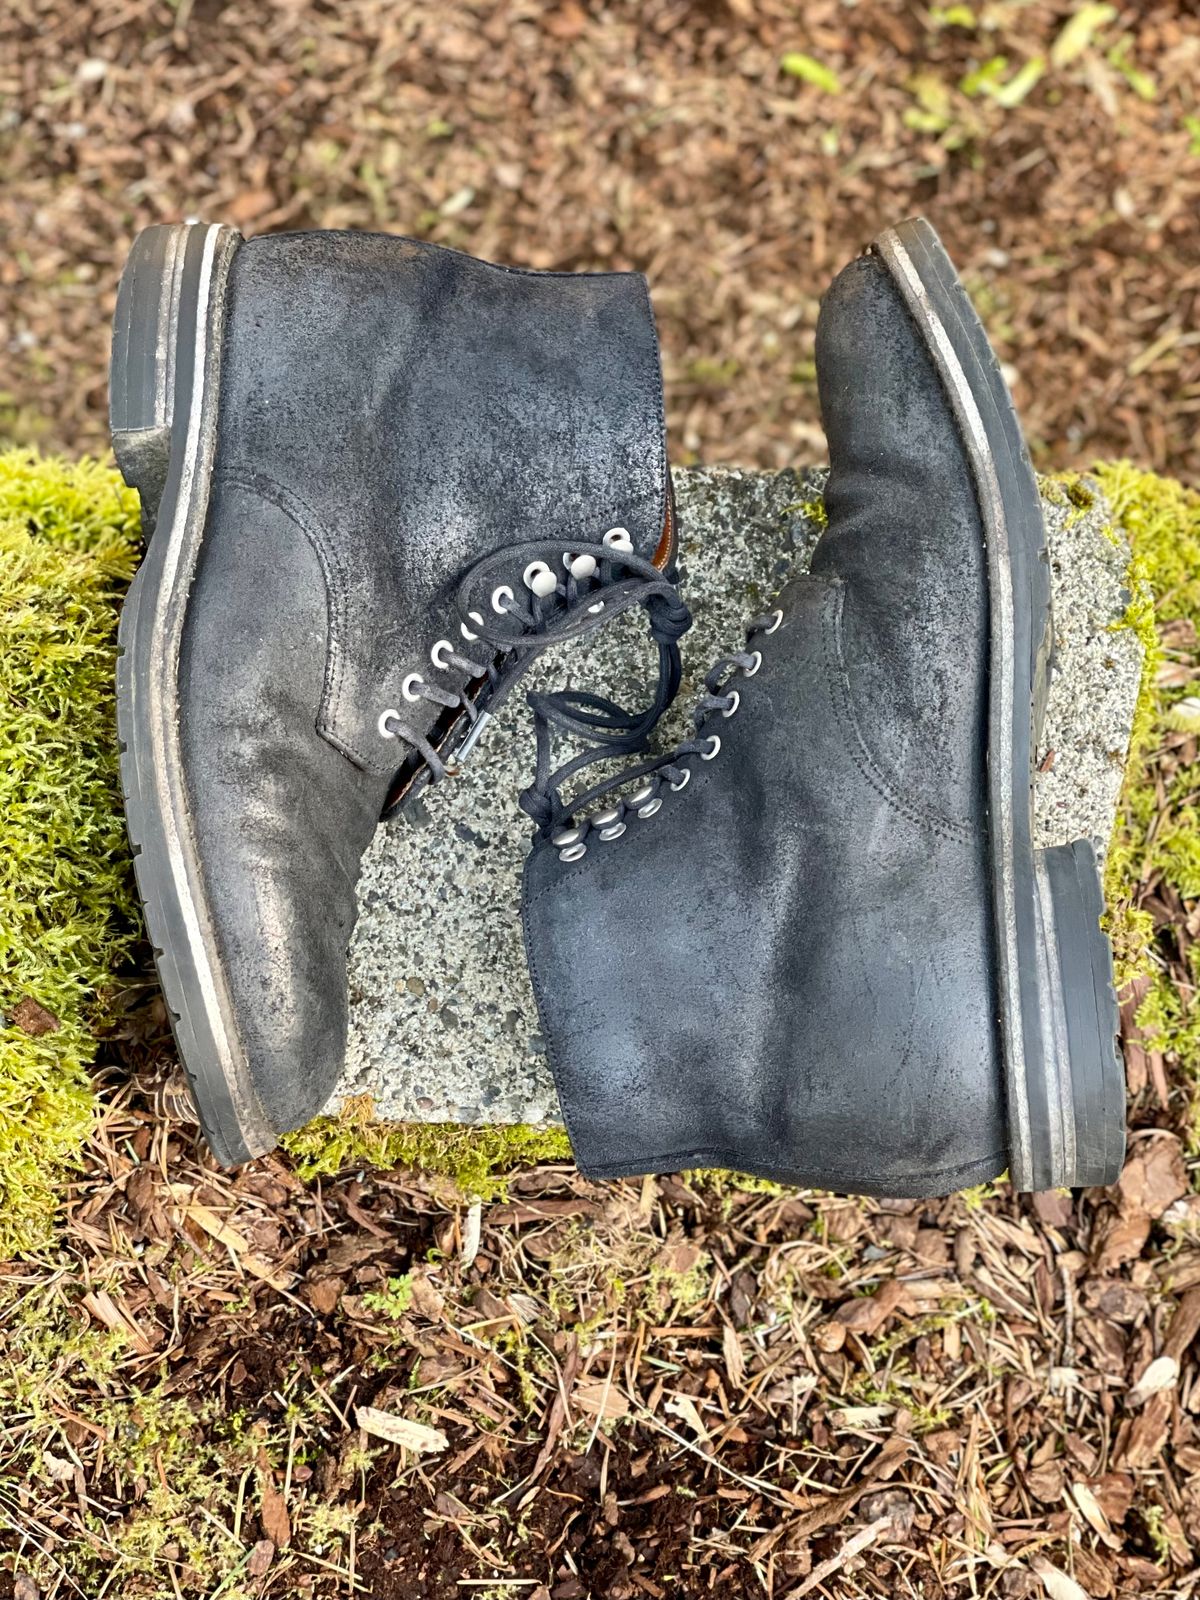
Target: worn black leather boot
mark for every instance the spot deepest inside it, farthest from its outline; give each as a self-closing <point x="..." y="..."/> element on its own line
<point x="817" y="944"/>
<point x="379" y="476"/>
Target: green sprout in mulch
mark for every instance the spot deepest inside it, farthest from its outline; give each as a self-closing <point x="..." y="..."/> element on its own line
<point x="68" y="546"/>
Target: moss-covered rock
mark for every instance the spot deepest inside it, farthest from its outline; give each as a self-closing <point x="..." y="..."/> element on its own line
<point x="68" y="546"/>
<point x="68" y="543"/>
<point x="476" y="1159"/>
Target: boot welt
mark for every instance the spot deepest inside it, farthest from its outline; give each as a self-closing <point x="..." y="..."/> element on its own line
<point x="163" y="390"/>
<point x="1057" y="1010"/>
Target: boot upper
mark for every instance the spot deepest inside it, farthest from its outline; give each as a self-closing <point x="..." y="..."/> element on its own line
<point x="786" y="966"/>
<point x="390" y="413"/>
<point x="904" y="533"/>
<point x="414" y="409"/>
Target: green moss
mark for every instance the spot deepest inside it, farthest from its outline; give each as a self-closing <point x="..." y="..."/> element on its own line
<point x="68" y="542"/>
<point x="476" y="1159"/>
<point x="1158" y="835"/>
<point x="812" y="510"/>
<point x="1079" y="493"/>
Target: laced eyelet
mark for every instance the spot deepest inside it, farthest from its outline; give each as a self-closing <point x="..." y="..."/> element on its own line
<point x="539" y="578"/>
<point x="757" y="659"/>
<point x="714" y="748"/>
<point x="466" y="632"/>
<point x="649" y="809"/>
<point x="580" y="567"/>
<point x="728" y="711"/>
<point x="775" y="625"/>
<point x="501" y="589"/>
<point x="385" y="717"/>
<point x="682" y="783"/>
<point x="573" y="852"/>
<point x="406" y="688"/>
<point x="615" y="832"/>
<point x="435" y="655"/>
<point x="619" y="539"/>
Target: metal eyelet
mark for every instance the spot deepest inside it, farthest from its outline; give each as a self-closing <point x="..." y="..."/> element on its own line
<point x="650" y="808"/>
<point x="580" y="567"/>
<point x="570" y="833"/>
<point x="466" y="632"/>
<point x="728" y="711"/>
<point x="619" y="539"/>
<point x="778" y="615"/>
<point x="573" y="852"/>
<point x="435" y="655"/>
<point x="640" y="797"/>
<point x="407" y="691"/>
<point x="501" y="589"/>
<point x="608" y="824"/>
<point x="757" y="659"/>
<point x="539" y="578"/>
<point x="683" y="782"/>
<point x="391" y="714"/>
<point x="714" y="751"/>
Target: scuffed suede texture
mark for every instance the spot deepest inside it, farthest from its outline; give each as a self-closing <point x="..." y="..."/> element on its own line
<point x="281" y="818"/>
<point x="785" y="971"/>
<point x="389" y="413"/>
<point x="789" y="970"/>
<point x="904" y="531"/>
<point x="415" y="409"/>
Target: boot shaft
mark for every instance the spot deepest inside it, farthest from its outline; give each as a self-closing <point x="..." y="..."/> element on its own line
<point x="412" y="410"/>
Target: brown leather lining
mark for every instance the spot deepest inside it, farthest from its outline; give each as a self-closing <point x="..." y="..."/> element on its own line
<point x="666" y="544"/>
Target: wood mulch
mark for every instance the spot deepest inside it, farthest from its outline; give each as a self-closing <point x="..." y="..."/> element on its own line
<point x="673" y="1387"/>
<point x="661" y="134"/>
<point x="666" y="1387"/>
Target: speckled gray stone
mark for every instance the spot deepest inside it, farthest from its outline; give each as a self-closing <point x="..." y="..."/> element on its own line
<point x="443" y="1026"/>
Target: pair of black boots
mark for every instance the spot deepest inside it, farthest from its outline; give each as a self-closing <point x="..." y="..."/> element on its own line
<point x="815" y="942"/>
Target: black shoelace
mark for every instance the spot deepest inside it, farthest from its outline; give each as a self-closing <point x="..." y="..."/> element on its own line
<point x="503" y="633"/>
<point x="720" y="698"/>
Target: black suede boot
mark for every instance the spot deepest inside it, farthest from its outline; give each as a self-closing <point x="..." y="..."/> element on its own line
<point x="380" y="477"/>
<point x="817" y="944"/>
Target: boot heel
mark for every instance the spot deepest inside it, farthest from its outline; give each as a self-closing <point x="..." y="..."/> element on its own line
<point x="141" y="388"/>
<point x="1077" y="1090"/>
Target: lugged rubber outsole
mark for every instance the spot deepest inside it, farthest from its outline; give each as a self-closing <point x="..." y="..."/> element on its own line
<point x="163" y="387"/>
<point x="1058" y="1013"/>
